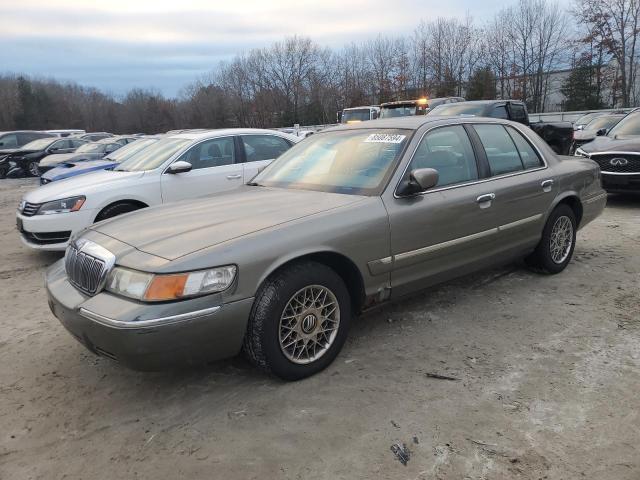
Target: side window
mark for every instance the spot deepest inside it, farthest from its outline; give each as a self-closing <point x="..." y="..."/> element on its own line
<point x="112" y="147"/>
<point x="449" y="151"/>
<point x="264" y="147"/>
<point x="528" y="155"/>
<point x="501" y="152"/>
<point x="10" y="141"/>
<point x="60" y="145"/>
<point x="77" y="143"/>
<point x="500" y="112"/>
<point x="211" y="153"/>
<point x="518" y="113"/>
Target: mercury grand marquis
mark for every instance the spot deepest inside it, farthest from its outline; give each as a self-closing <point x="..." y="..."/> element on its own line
<point x="353" y="216"/>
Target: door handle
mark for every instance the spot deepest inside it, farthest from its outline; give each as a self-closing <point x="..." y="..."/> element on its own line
<point x="234" y="177"/>
<point x="485" y="200"/>
<point x="547" y="185"/>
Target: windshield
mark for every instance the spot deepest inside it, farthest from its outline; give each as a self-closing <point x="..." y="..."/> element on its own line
<point x="583" y="120"/>
<point x="398" y="111"/>
<point x="40" y="144"/>
<point x="458" y="109"/>
<point x="154" y="156"/>
<point x="91" y="148"/>
<point x="602" y="122"/>
<point x="359" y="115"/>
<point x="130" y="149"/>
<point x="356" y="162"/>
<point x="628" y="126"/>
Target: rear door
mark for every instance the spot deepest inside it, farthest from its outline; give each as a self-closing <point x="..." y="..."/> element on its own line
<point x="260" y="151"/>
<point x="215" y="168"/>
<point x="446" y="227"/>
<point x="519" y="181"/>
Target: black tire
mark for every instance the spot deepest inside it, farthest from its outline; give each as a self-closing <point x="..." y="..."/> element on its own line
<point x="33" y="169"/>
<point x="117" y="209"/>
<point x="3" y="171"/>
<point x="542" y="258"/>
<point x="262" y="340"/>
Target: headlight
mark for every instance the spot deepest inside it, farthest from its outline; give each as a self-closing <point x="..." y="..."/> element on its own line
<point x="581" y="153"/>
<point x="65" y="205"/>
<point x="157" y="288"/>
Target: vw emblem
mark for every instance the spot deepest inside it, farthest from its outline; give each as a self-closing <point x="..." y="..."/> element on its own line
<point x="618" y="162"/>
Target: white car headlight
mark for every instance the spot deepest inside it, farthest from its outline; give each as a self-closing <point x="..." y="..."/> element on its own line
<point x="581" y="153"/>
<point x="64" y="205"/>
<point x="158" y="288"/>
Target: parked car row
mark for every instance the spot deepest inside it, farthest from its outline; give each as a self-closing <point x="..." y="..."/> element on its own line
<point x="237" y="252"/>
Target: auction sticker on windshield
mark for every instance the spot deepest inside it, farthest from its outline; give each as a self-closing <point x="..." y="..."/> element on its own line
<point x="385" y="138"/>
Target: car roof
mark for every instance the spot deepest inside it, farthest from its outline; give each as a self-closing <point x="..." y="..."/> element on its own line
<point x="411" y="122"/>
<point x="199" y="135"/>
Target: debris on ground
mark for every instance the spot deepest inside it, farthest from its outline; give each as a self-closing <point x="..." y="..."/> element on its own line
<point x="401" y="452"/>
<point x="441" y="377"/>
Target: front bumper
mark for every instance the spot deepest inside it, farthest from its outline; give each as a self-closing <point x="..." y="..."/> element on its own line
<point x="621" y="182"/>
<point x="149" y="336"/>
<point x="52" y="232"/>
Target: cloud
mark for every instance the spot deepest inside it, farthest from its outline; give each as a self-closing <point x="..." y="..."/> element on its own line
<point x="120" y="44"/>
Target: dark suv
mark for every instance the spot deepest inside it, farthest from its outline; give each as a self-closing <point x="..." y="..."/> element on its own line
<point x="618" y="154"/>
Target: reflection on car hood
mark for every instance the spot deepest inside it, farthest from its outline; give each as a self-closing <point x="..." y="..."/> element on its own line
<point x="609" y="144"/>
<point x="80" y="185"/>
<point x="57" y="158"/>
<point x="174" y="230"/>
<point x="69" y="169"/>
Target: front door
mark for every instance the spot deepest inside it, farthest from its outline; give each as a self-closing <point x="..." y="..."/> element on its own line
<point x="446" y="227"/>
<point x="214" y="168"/>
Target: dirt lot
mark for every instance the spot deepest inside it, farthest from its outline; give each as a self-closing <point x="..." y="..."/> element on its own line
<point x="547" y="369"/>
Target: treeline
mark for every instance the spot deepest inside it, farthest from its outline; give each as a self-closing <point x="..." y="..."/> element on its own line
<point x="513" y="55"/>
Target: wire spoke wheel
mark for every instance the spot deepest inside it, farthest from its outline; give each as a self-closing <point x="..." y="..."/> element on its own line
<point x="561" y="239"/>
<point x="309" y="324"/>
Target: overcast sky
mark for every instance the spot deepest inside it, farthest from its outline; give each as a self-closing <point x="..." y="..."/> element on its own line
<point x="119" y="44"/>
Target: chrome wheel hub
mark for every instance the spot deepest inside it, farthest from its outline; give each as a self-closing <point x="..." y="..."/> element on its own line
<point x="561" y="239"/>
<point x="309" y="324"/>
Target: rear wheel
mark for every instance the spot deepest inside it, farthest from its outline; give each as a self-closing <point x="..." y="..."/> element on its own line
<point x="3" y="171"/>
<point x="555" y="249"/>
<point x="299" y="321"/>
<point x="117" y="209"/>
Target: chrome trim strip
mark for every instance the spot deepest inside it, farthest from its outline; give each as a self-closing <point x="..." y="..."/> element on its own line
<point x="613" y="153"/>
<point x="473" y="182"/>
<point x="382" y="265"/>
<point x="596" y="198"/>
<point x="619" y="173"/>
<point x="153" y="322"/>
<point x="440" y="246"/>
<point x="517" y="223"/>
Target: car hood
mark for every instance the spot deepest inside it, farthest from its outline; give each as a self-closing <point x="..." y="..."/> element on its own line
<point x="174" y="230"/>
<point x="7" y="151"/>
<point x="80" y="185"/>
<point x="610" y="144"/>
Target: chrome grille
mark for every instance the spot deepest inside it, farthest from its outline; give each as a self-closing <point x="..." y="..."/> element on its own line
<point x="30" y="209"/>
<point x="84" y="271"/>
<point x="632" y="164"/>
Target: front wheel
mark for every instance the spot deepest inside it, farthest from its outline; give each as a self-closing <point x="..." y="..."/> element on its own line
<point x="554" y="252"/>
<point x="34" y="169"/>
<point x="299" y="321"/>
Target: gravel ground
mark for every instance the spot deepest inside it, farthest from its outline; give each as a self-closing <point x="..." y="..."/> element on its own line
<point x="546" y="376"/>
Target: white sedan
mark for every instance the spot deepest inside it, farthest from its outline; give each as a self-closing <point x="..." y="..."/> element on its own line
<point x="176" y="167"/>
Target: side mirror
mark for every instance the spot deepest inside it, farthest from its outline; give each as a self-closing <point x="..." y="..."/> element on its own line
<point x="374" y="115"/>
<point x="601" y="132"/>
<point x="420" y="180"/>
<point x="179" y="167"/>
